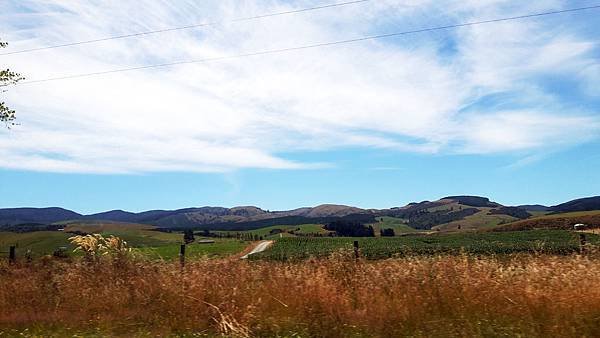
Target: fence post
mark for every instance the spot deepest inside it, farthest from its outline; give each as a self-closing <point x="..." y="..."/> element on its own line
<point x="582" y="241"/>
<point x="182" y="255"/>
<point x="12" y="255"/>
<point x="356" y="250"/>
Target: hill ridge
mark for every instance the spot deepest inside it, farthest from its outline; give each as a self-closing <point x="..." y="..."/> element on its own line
<point x="428" y="214"/>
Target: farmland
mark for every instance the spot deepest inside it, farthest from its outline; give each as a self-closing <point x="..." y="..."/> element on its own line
<point x="221" y="248"/>
<point x="271" y="232"/>
<point x="41" y="242"/>
<point x="536" y="241"/>
<point x="308" y="240"/>
<point x="142" y="238"/>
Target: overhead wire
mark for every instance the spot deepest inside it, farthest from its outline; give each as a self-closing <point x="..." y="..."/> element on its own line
<point x="310" y="46"/>
<point x="178" y="28"/>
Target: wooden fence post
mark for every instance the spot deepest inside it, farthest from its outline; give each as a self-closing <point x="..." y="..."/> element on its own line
<point x="356" y="250"/>
<point x="582" y="241"/>
<point x="12" y="255"/>
<point x="182" y="255"/>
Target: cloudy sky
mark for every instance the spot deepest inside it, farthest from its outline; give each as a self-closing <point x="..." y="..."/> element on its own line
<point x="509" y="110"/>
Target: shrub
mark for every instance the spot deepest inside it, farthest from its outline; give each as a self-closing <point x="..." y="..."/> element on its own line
<point x="96" y="246"/>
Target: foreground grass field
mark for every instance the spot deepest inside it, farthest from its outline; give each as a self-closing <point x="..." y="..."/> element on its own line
<point x="535" y="241"/>
<point x="445" y="296"/>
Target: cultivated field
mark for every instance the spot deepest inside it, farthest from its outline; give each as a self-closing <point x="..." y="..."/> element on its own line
<point x="489" y="243"/>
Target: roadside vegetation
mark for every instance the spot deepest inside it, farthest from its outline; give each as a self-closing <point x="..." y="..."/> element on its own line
<point x="439" y="295"/>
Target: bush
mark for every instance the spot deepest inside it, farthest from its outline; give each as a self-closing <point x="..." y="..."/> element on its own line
<point x="389" y="232"/>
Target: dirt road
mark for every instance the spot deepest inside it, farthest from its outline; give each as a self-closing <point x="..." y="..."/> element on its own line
<point x="262" y="246"/>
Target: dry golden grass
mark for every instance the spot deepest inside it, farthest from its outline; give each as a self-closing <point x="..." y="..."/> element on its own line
<point x="426" y="296"/>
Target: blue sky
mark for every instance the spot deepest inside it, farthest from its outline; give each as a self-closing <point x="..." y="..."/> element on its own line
<point x="509" y="110"/>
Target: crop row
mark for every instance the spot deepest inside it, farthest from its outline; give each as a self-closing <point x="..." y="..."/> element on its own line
<point x="536" y="241"/>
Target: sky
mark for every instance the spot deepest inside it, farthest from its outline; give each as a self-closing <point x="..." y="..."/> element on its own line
<point x="507" y="110"/>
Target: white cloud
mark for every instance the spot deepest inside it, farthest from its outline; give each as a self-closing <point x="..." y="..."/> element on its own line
<point x="404" y="94"/>
<point x="517" y="130"/>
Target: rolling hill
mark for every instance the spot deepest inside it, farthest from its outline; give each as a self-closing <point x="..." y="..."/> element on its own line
<point x="450" y="213"/>
<point x="535" y="207"/>
<point x="581" y="204"/>
<point x="563" y="221"/>
<point x="15" y="216"/>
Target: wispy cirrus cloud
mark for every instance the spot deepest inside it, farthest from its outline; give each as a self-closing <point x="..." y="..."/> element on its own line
<point x="424" y="93"/>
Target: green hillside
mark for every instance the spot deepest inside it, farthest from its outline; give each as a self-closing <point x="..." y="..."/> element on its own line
<point x="481" y="220"/>
<point x="556" y="221"/>
<point x="40" y="243"/>
<point x="397" y="224"/>
<point x="277" y="231"/>
<point x="143" y="238"/>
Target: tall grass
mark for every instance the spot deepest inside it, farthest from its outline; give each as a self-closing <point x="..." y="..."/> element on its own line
<point x="464" y="295"/>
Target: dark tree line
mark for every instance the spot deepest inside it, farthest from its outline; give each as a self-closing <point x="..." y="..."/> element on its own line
<point x="252" y="225"/>
<point x="30" y="227"/>
<point x="511" y="211"/>
<point x="345" y="228"/>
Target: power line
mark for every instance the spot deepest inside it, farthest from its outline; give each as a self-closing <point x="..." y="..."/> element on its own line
<point x="324" y="44"/>
<point x="213" y="23"/>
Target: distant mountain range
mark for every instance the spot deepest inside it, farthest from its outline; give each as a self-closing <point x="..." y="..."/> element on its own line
<point x="448" y="212"/>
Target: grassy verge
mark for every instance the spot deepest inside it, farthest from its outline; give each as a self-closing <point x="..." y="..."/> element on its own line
<point x="421" y="296"/>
